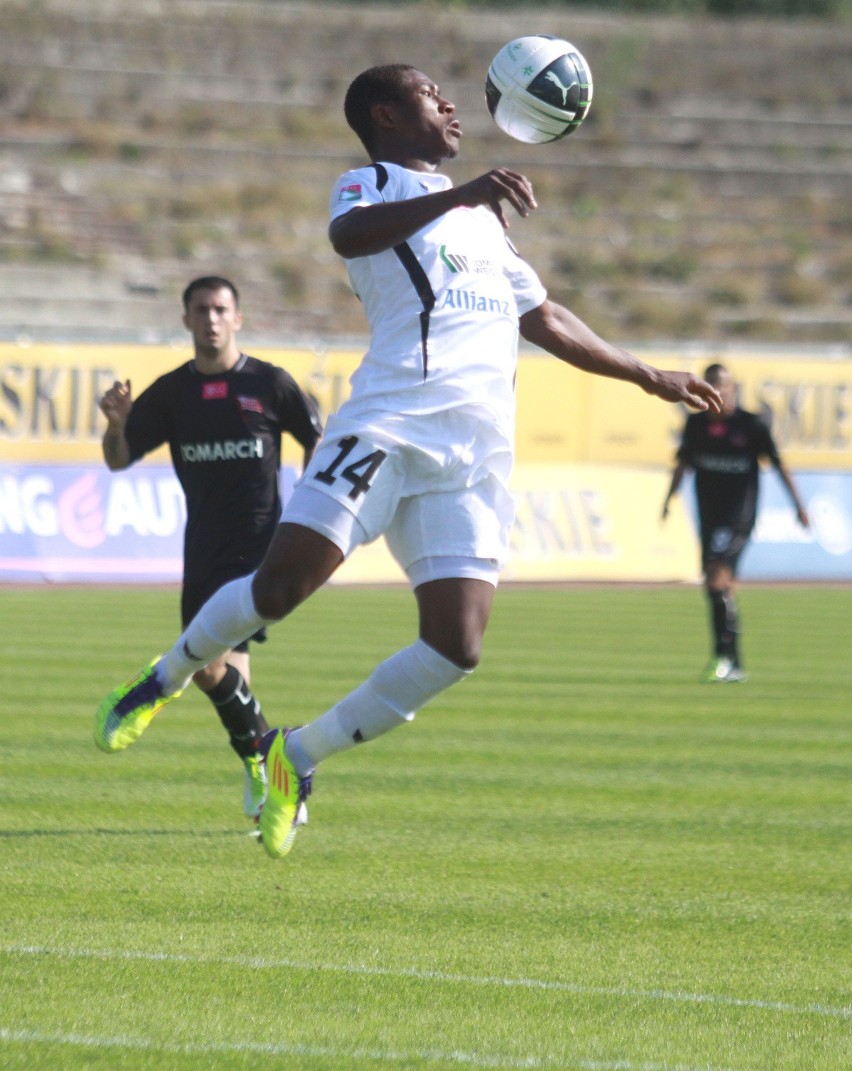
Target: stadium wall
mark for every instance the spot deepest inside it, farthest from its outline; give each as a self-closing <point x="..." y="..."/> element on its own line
<point x="593" y="463"/>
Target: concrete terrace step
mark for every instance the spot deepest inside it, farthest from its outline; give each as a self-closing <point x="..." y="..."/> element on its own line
<point x="141" y="145"/>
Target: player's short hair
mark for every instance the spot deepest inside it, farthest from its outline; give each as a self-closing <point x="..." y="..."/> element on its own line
<point x="377" y="85"/>
<point x="713" y="373"/>
<point x="209" y="282"/>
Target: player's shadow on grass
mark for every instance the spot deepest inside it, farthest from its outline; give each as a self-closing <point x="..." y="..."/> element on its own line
<point x="209" y="834"/>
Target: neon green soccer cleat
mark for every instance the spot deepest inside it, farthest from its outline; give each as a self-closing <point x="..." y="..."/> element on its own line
<point x="255" y="787"/>
<point x="127" y="711"/>
<point x="284" y="810"/>
<point x="723" y="671"/>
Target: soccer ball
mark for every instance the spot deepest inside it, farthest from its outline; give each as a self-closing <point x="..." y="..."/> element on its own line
<point x="538" y="89"/>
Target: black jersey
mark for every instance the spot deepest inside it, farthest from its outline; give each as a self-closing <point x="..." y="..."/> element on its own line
<point x="724" y="452"/>
<point x="224" y="433"/>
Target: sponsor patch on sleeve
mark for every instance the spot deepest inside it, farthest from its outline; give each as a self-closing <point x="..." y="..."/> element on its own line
<point x="352" y="192"/>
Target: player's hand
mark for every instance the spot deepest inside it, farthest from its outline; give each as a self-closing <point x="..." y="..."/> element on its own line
<point x="495" y="187"/>
<point x="687" y="388"/>
<point x="117" y="403"/>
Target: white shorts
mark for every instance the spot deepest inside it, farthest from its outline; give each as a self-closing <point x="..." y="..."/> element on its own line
<point x="435" y="486"/>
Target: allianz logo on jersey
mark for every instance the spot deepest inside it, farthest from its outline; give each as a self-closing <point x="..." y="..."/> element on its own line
<point x="229" y="450"/>
<point x="459" y="262"/>
<point x="471" y="301"/>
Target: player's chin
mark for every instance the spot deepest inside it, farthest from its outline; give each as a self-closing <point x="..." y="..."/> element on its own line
<point x="452" y="143"/>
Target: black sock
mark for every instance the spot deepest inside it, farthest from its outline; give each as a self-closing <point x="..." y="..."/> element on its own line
<point x="239" y="712"/>
<point x="726" y="624"/>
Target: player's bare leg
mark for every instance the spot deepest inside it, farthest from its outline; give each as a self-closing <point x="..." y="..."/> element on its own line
<point x="454" y="614"/>
<point x="297" y="563"/>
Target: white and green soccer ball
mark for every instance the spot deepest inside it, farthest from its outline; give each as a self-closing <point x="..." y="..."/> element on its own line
<point x="538" y="88"/>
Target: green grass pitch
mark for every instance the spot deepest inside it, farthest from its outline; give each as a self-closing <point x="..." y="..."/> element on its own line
<point x="578" y="859"/>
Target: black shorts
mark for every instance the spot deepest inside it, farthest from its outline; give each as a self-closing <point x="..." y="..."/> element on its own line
<point x="194" y="596"/>
<point x="722" y="544"/>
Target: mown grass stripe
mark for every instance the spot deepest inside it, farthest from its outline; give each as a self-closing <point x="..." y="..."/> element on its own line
<point x="259" y="963"/>
<point x="277" y="1048"/>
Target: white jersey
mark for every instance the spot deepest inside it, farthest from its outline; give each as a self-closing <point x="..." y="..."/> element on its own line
<point x="442" y="307"/>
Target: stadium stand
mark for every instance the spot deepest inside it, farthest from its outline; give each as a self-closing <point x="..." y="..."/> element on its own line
<point x="708" y="195"/>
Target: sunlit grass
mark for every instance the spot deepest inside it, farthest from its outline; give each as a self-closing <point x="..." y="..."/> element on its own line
<point x="578" y="858"/>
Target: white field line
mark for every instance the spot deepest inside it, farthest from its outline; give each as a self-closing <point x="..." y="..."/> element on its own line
<point x="443" y="1059"/>
<point x="257" y="963"/>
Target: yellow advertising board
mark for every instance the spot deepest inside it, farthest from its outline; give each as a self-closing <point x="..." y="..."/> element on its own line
<point x="49" y="395"/>
<point x="577" y="522"/>
<point x="566" y="415"/>
<point x="597" y="522"/>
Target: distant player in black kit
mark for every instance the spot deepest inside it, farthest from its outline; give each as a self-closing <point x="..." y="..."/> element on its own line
<point x="223" y="414"/>
<point x="725" y="449"/>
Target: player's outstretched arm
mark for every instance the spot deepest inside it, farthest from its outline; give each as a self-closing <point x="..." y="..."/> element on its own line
<point x="557" y="330"/>
<point x="372" y="229"/>
<point x="789" y="483"/>
<point x="674" y="486"/>
<point x="115" y="406"/>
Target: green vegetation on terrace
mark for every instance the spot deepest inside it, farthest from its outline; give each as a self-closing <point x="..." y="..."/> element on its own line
<point x="707" y="196"/>
<point x="727" y="8"/>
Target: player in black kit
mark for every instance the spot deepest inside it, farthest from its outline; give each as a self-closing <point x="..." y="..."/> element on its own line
<point x="725" y="451"/>
<point x="223" y="414"/>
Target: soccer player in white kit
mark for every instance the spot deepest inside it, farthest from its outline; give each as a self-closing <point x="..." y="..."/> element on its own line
<point x="422" y="450"/>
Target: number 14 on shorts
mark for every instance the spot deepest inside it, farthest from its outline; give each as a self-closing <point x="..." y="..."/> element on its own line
<point x="359" y="472"/>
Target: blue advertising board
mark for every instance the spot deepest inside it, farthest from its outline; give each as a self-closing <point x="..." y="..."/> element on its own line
<point x="81" y="523"/>
<point x="781" y="549"/>
<point x="65" y="523"/>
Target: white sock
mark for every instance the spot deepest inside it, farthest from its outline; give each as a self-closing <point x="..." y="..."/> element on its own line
<point x="226" y="619"/>
<point x="394" y="691"/>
